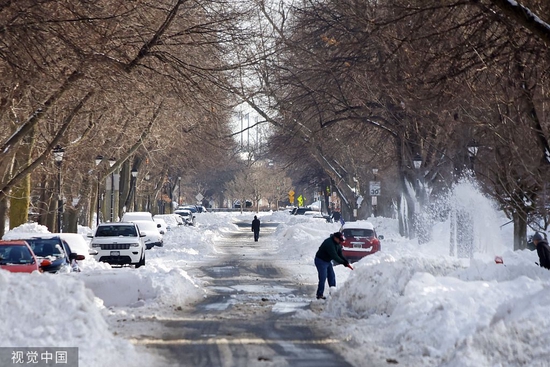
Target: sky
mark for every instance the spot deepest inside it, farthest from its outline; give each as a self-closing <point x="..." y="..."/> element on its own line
<point x="410" y="303"/>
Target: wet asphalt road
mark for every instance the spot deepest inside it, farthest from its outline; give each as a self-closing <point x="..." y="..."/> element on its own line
<point x="246" y="318"/>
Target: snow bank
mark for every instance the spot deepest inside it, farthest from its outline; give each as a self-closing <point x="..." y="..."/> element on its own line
<point x="44" y="310"/>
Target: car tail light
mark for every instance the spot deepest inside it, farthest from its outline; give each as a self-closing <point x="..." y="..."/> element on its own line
<point x="45" y="262"/>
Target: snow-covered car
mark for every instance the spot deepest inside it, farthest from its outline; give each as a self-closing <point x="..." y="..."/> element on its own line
<point x="190" y="207"/>
<point x="163" y="225"/>
<point x="301" y="211"/>
<point x="152" y="235"/>
<point x="360" y="240"/>
<point x="132" y="216"/>
<point x="119" y="244"/>
<point x="317" y="215"/>
<point x="77" y="243"/>
<point x="172" y="220"/>
<point x="187" y="216"/>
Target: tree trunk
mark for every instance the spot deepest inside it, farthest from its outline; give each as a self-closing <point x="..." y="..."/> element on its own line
<point x="94" y="200"/>
<point x="19" y="202"/>
<point x="70" y="220"/>
<point x="51" y="213"/>
<point x="3" y="213"/>
<point x="21" y="193"/>
<point x="124" y="195"/>
<point x="520" y="231"/>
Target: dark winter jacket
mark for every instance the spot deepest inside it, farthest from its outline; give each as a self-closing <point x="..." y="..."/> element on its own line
<point x="256" y="225"/>
<point x="543" y="250"/>
<point x="330" y="250"/>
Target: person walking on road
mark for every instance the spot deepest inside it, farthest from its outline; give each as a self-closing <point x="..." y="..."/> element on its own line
<point x="256" y="228"/>
<point x="336" y="215"/>
<point x="330" y="249"/>
<point x="543" y="250"/>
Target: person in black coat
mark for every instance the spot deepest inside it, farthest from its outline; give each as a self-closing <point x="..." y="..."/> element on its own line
<point x="330" y="249"/>
<point x="543" y="250"/>
<point x="256" y="228"/>
<point x="335" y="216"/>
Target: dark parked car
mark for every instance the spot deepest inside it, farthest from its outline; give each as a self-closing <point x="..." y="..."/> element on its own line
<point x="301" y="211"/>
<point x="53" y="248"/>
<point x="237" y="204"/>
<point x="192" y="208"/>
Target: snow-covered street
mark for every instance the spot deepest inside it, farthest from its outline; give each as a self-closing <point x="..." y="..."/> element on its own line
<point x="408" y="304"/>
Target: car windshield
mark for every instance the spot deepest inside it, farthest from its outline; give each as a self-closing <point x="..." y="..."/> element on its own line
<point x="15" y="254"/>
<point x="45" y="247"/>
<point x="184" y="213"/>
<point x="116" y="231"/>
<point x="359" y="232"/>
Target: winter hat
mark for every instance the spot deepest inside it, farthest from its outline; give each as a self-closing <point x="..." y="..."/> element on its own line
<point x="537" y="236"/>
<point x="338" y="235"/>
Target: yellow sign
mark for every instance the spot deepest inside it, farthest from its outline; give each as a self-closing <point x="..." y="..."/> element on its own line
<point x="300" y="200"/>
<point x="291" y="193"/>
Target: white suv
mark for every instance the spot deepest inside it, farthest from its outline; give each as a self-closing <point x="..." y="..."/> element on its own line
<point x="119" y="244"/>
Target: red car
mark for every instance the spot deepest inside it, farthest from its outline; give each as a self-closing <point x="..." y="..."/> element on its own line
<point x="360" y="240"/>
<point x="17" y="257"/>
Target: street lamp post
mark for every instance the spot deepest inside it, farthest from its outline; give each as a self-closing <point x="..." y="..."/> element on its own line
<point x="112" y="162"/>
<point x="134" y="175"/>
<point x="98" y="160"/>
<point x="417" y="161"/>
<point x="58" y="152"/>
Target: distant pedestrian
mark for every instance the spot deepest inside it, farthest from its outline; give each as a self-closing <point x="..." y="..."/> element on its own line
<point x="543" y="250"/>
<point x="336" y="216"/>
<point x="330" y="249"/>
<point x="256" y="228"/>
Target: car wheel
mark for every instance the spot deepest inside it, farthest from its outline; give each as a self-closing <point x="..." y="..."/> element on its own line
<point x="141" y="262"/>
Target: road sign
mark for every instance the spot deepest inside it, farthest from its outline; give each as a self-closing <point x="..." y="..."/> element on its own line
<point x="374" y="188"/>
<point x="199" y="197"/>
